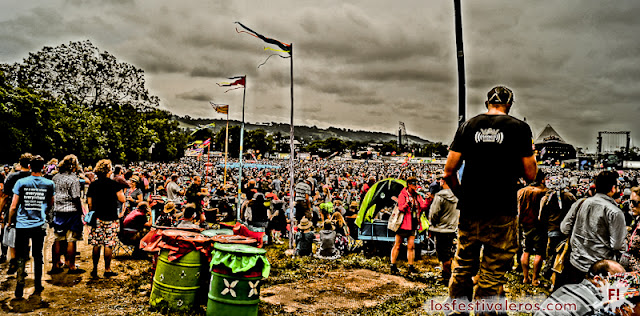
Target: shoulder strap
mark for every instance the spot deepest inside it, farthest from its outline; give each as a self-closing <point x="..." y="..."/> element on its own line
<point x="577" y="212"/>
<point x="580" y="205"/>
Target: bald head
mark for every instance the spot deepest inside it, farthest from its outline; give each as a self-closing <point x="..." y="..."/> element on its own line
<point x="604" y="268"/>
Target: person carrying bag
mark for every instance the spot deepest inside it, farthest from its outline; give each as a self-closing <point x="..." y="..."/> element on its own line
<point x="563" y="251"/>
<point x="395" y="221"/>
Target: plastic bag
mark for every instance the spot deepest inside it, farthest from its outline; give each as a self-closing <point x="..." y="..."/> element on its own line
<point x="9" y="236"/>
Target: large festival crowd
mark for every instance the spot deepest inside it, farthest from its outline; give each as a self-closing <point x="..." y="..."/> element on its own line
<point x="193" y="193"/>
<point x="570" y="230"/>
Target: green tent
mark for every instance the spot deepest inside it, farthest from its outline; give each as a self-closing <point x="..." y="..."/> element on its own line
<point x="378" y="197"/>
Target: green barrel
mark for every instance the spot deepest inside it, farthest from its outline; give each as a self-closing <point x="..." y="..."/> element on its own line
<point x="215" y="232"/>
<point x="176" y="284"/>
<point x="237" y="272"/>
<point x="231" y="295"/>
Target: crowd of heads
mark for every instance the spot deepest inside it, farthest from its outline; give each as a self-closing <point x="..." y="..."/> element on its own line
<point x="331" y="181"/>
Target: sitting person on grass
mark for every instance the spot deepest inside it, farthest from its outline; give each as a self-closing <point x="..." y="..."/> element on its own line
<point x="342" y="231"/>
<point x="136" y="225"/>
<point x="327" y="248"/>
<point x="304" y="238"/>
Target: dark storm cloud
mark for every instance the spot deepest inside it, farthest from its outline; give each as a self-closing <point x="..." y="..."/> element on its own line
<point x="353" y="36"/>
<point x="410" y="106"/>
<point x="93" y="3"/>
<point x="271" y="106"/>
<point x="195" y="96"/>
<point x="415" y="73"/>
<point x="340" y="87"/>
<point x="572" y="64"/>
<point x="27" y="31"/>
<point x="363" y="100"/>
<point x="207" y="72"/>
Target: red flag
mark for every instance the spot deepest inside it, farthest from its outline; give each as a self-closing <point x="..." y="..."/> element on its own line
<point x="240" y="80"/>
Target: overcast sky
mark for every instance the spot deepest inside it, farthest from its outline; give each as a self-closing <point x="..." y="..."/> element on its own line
<point x="365" y="64"/>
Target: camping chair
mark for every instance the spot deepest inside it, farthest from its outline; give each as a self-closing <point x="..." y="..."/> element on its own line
<point x="124" y="244"/>
<point x="120" y="247"/>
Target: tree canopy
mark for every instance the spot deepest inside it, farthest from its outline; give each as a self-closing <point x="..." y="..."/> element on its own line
<point x="72" y="99"/>
<point x="80" y="73"/>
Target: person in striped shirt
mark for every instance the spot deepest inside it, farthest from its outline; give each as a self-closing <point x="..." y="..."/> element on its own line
<point x="584" y="298"/>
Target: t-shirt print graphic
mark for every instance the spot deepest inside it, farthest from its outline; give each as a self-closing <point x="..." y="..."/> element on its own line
<point x="489" y="135"/>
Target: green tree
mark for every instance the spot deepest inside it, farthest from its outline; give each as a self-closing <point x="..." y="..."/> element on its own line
<point x="171" y="141"/>
<point x="355" y="146"/>
<point x="388" y="147"/>
<point x="259" y="141"/>
<point x="281" y="142"/>
<point x="334" y="144"/>
<point x="317" y="147"/>
<point x="434" y="149"/>
<point x="79" y="73"/>
<point x="121" y="132"/>
<point x="234" y="140"/>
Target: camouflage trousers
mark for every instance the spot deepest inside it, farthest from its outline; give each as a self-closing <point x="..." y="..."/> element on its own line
<point x="486" y="248"/>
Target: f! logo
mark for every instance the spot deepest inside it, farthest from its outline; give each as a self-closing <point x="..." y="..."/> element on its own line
<point x="613" y="296"/>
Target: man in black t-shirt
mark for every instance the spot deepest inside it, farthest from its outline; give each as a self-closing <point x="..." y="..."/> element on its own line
<point x="195" y="194"/>
<point x="497" y="150"/>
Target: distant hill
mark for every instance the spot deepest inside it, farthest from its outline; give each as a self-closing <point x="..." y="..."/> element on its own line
<point x="307" y="133"/>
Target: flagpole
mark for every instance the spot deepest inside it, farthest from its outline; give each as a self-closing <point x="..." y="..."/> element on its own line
<point x="226" y="149"/>
<point x="287" y="49"/>
<point x="208" y="154"/>
<point x="291" y="157"/>
<point x="244" y="93"/>
<point x="462" y="94"/>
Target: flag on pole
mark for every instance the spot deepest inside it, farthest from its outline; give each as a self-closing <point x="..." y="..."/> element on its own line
<point x="205" y="143"/>
<point x="220" y="108"/>
<point x="286" y="48"/>
<point x="238" y="80"/>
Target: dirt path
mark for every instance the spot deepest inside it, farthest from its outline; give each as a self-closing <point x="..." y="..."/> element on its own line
<point x="337" y="290"/>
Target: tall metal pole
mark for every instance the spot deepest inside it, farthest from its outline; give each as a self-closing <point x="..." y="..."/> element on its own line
<point x="244" y="94"/>
<point x="462" y="108"/>
<point x="226" y="150"/>
<point x="291" y="159"/>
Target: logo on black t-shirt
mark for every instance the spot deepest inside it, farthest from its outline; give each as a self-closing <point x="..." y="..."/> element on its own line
<point x="489" y="135"/>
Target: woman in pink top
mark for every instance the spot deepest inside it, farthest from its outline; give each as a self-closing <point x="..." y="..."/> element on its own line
<point x="412" y="205"/>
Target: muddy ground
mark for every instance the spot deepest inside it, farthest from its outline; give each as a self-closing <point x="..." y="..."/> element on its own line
<point x="357" y="284"/>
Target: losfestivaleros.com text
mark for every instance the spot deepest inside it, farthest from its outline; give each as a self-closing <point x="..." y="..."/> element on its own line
<point x="498" y="305"/>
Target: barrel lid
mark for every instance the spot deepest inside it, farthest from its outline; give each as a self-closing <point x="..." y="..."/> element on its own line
<point x="177" y="233"/>
<point x="214" y="232"/>
<point x="239" y="248"/>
